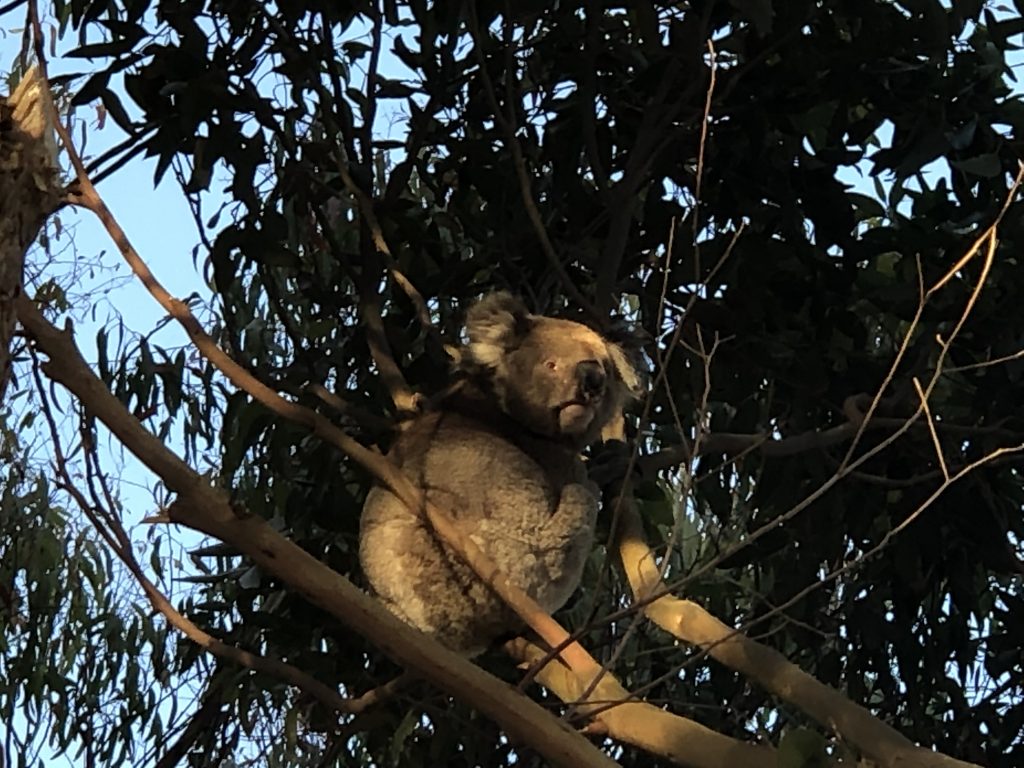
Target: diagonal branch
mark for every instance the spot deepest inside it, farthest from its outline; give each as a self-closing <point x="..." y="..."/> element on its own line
<point x="734" y="443"/>
<point x="507" y="126"/>
<point x="209" y="712"/>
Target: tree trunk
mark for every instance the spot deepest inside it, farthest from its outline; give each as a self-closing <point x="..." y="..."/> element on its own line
<point x="29" y="191"/>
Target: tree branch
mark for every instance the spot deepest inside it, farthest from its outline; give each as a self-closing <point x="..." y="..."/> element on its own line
<point x="654" y="133"/>
<point x="732" y="443"/>
<point x="507" y="127"/>
<point x="202" y="720"/>
<point x="643" y="725"/>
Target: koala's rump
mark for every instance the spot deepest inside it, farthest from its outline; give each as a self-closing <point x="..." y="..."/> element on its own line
<point x="536" y="526"/>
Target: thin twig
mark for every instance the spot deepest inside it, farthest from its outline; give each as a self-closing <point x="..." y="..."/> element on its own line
<point x="986" y="363"/>
<point x="704" y="123"/>
<point x="931" y="427"/>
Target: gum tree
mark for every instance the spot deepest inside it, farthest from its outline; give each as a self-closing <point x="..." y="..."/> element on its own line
<point x="801" y="215"/>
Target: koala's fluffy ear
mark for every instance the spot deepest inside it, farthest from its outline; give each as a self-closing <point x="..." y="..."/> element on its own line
<point x="495" y="325"/>
<point x="627" y="370"/>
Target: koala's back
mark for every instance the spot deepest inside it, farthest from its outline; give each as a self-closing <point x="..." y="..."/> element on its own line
<point x="524" y="502"/>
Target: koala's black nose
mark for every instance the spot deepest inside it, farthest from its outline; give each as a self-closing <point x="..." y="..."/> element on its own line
<point x="590" y="377"/>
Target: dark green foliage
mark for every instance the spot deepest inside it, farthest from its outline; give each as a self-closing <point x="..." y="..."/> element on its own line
<point x="74" y="659"/>
<point x="826" y="119"/>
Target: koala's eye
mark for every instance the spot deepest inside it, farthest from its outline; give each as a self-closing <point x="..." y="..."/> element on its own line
<point x="551" y="365"/>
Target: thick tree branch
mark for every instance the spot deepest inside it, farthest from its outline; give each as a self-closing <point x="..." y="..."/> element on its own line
<point x="209" y="712"/>
<point x="733" y="443"/>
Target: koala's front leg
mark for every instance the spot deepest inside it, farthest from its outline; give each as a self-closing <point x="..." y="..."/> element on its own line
<point x="568" y="537"/>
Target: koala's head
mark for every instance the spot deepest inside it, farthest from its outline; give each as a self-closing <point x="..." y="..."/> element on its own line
<point x="558" y="378"/>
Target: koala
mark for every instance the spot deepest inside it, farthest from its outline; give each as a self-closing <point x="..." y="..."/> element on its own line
<point x="500" y="453"/>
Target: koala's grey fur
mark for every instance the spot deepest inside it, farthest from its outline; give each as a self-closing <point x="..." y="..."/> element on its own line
<point x="502" y="456"/>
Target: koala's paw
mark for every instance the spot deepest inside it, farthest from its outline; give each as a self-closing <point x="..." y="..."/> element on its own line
<point x="610" y="464"/>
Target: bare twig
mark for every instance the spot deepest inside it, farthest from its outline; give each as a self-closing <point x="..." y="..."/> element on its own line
<point x="986" y="363"/>
<point x="988" y="236"/>
<point x="705" y="121"/>
<point x="365" y="203"/>
<point x="931" y="427"/>
<point x="346" y="409"/>
<point x="848" y="465"/>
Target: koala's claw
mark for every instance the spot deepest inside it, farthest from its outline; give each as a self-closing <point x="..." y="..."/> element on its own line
<point x="611" y="463"/>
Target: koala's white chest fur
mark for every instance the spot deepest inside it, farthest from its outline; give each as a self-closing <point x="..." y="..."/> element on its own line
<point x="537" y="530"/>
